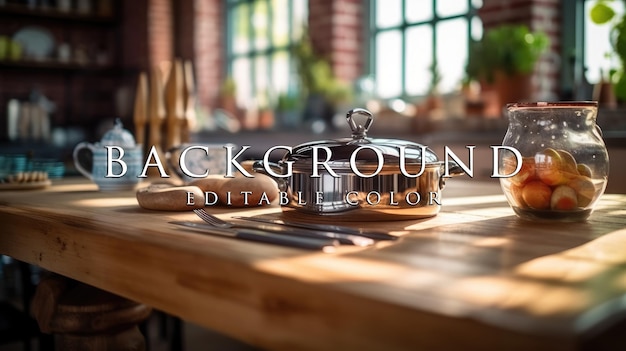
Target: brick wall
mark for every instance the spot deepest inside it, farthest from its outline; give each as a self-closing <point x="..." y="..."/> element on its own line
<point x="160" y="31"/>
<point x="546" y="17"/>
<point x="543" y="16"/>
<point x="208" y="49"/>
<point x="335" y="29"/>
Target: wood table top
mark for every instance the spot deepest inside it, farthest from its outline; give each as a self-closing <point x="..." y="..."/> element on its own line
<point x="473" y="277"/>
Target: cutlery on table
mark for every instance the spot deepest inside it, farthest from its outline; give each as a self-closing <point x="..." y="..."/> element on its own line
<point x="340" y="237"/>
<point x="326" y="245"/>
<point x="376" y="235"/>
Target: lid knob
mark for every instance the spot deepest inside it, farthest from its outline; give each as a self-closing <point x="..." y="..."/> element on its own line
<point x="359" y="131"/>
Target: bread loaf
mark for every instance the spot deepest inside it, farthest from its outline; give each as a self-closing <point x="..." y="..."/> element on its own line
<point x="260" y="190"/>
<point x="163" y="197"/>
<point x="210" y="183"/>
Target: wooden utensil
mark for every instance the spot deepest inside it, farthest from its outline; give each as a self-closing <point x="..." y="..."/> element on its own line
<point x="140" y="114"/>
<point x="156" y="112"/>
<point x="174" y="104"/>
<point x="189" y="100"/>
<point x="25" y="120"/>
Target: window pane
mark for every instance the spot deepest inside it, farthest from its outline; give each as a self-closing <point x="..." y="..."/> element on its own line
<point x="260" y="25"/>
<point x="389" y="63"/>
<point x="388" y="13"/>
<point x="477" y="28"/>
<point x="451" y="52"/>
<point x="447" y="8"/>
<point x="597" y="45"/>
<point x="419" y="44"/>
<point x="299" y="18"/>
<point x="418" y="11"/>
<point x="261" y="74"/>
<point x="432" y="31"/>
<point x="241" y="75"/>
<point x="280" y="23"/>
<point x="240" y="29"/>
<point x="280" y="73"/>
<point x="261" y="32"/>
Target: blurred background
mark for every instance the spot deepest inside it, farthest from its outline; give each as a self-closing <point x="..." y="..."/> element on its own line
<point x="282" y="72"/>
<point x="258" y="71"/>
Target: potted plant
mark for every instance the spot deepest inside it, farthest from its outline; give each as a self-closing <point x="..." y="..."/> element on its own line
<point x="266" y="113"/>
<point x="288" y="110"/>
<point x="228" y="95"/>
<point x="433" y="98"/>
<point x="321" y="90"/>
<point x="503" y="60"/>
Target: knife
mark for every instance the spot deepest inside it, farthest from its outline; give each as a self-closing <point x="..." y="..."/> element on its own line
<point x="342" y="238"/>
<point x="324" y="244"/>
<point x="376" y="235"/>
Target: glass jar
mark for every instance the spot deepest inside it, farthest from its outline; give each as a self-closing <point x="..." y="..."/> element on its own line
<point x="564" y="162"/>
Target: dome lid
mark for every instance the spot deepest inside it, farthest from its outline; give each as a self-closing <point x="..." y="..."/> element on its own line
<point x="342" y="150"/>
<point x="118" y="136"/>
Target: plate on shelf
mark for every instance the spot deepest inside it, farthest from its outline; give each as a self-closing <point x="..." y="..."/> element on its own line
<point x="37" y="42"/>
<point x="25" y="185"/>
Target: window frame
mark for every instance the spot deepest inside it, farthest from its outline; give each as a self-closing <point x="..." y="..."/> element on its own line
<point x="374" y="31"/>
<point x="252" y="53"/>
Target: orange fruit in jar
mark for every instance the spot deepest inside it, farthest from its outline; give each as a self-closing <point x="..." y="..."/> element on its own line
<point x="568" y="162"/>
<point x="548" y="167"/>
<point x="563" y="198"/>
<point x="508" y="165"/>
<point x="583" y="170"/>
<point x="526" y="172"/>
<point x="516" y="195"/>
<point x="584" y="188"/>
<point x="536" y="194"/>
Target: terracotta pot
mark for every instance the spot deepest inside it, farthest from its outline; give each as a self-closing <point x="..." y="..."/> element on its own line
<point x="506" y="89"/>
<point x="229" y="104"/>
<point x="266" y="119"/>
<point x="603" y="93"/>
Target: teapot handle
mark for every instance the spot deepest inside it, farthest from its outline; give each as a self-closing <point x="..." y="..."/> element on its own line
<point x="77" y="164"/>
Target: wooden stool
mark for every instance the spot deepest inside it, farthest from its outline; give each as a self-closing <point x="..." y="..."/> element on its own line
<point x="86" y="318"/>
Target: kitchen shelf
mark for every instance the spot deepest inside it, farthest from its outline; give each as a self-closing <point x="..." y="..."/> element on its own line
<point x="54" y="66"/>
<point x="83" y="93"/>
<point x="24" y="12"/>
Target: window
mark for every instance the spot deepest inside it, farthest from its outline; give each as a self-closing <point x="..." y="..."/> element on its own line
<point x="597" y="49"/>
<point x="410" y="37"/>
<point x="260" y="33"/>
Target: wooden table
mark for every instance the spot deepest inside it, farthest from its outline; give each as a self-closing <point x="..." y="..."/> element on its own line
<point x="474" y="277"/>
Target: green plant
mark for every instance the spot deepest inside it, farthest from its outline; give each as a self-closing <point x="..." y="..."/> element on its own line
<point x="287" y="102"/>
<point x="602" y="13"/>
<point x="228" y="87"/>
<point x="316" y="75"/>
<point x="435" y="79"/>
<point x="511" y="49"/>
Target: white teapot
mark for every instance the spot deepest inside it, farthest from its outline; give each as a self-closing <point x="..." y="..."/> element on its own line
<point x="117" y="160"/>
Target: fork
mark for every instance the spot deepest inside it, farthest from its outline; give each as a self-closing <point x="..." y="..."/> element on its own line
<point x="342" y="238"/>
